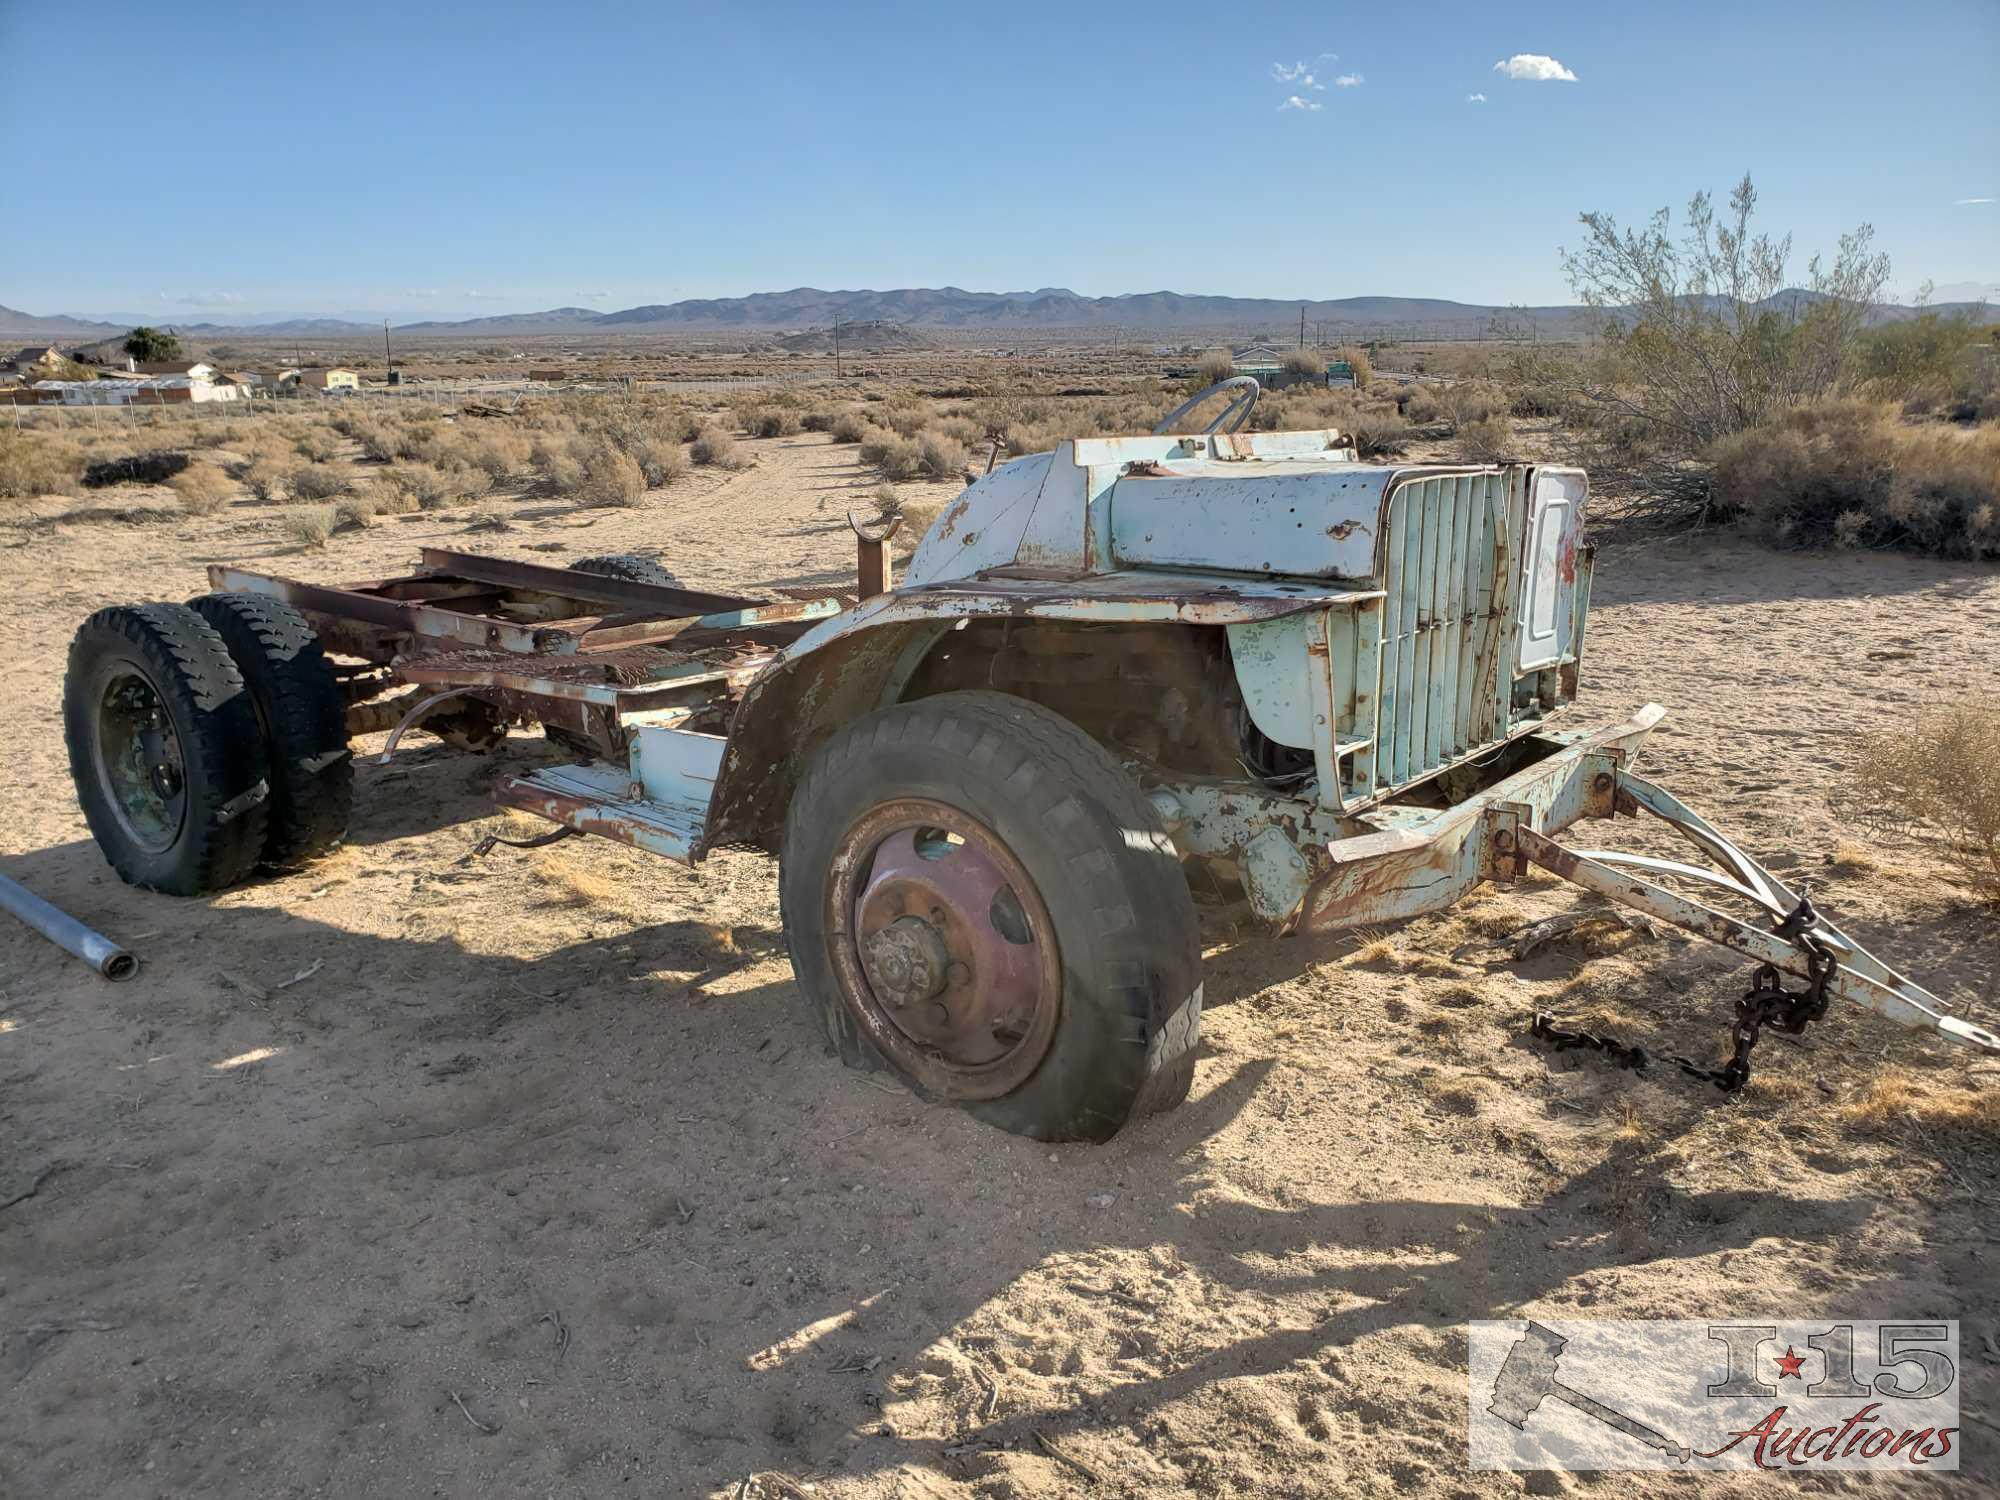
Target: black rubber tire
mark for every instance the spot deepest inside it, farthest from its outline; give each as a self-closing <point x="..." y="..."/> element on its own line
<point x="624" y="565"/>
<point x="224" y="763"/>
<point x="1130" y="1017"/>
<point x="304" y="717"/>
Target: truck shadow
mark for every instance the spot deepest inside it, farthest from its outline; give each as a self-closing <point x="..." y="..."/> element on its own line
<point x="446" y="1145"/>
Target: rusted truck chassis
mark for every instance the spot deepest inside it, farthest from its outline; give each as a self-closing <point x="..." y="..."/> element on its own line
<point x="1126" y="689"/>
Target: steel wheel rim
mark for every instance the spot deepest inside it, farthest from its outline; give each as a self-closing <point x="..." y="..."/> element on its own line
<point x="136" y="752"/>
<point x="944" y="951"/>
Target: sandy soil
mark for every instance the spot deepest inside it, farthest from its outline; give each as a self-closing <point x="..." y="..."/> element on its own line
<point x="538" y="1181"/>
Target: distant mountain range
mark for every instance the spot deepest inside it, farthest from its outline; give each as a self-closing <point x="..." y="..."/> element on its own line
<point x="807" y="308"/>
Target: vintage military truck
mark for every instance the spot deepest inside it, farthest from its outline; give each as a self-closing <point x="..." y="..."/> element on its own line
<point x="1122" y="685"/>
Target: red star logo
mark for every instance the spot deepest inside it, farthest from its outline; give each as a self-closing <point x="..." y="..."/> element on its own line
<point x="1789" y="1364"/>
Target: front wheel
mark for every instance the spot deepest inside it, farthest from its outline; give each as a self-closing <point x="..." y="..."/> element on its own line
<point x="977" y="896"/>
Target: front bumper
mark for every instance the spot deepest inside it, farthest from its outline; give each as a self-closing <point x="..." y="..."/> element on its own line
<point x="1426" y="859"/>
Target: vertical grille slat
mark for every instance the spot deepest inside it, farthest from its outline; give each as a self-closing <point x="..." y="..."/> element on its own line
<point x="1409" y="586"/>
<point x="1424" y="644"/>
<point x="1456" y="645"/>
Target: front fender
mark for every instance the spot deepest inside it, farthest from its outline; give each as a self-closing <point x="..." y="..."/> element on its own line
<point x="859" y="660"/>
<point x="794" y="706"/>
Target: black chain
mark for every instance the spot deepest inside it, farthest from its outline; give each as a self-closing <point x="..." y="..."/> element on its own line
<point x="1768" y="1003"/>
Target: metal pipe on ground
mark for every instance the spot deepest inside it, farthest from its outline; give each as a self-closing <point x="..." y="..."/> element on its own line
<point x="60" y="928"/>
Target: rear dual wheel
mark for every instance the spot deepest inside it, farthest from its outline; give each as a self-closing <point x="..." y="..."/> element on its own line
<point x="205" y="740"/>
<point x="977" y="896"/>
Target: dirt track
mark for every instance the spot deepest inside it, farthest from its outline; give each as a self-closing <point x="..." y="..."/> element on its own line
<point x="553" y="1132"/>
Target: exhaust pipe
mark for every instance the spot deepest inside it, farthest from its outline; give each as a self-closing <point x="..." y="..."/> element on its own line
<point x="60" y="928"/>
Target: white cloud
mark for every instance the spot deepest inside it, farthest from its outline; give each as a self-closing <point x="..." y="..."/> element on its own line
<point x="1349" y="81"/>
<point x="1533" y="67"/>
<point x="203" y="299"/>
<point x="1295" y="102"/>
<point x="478" y="296"/>
<point x="1475" y="98"/>
<point x="596" y="296"/>
<point x="1964" y="201"/>
<point x="1299" y="73"/>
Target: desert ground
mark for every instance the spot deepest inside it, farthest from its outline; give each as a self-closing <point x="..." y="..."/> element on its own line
<point x="417" y="1174"/>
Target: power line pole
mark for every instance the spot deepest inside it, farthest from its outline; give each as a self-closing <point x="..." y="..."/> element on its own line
<point x="1302" y="325"/>
<point x="836" y="346"/>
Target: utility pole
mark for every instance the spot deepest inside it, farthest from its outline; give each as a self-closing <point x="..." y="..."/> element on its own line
<point x="1302" y="325"/>
<point x="836" y="346"/>
<point x="388" y="359"/>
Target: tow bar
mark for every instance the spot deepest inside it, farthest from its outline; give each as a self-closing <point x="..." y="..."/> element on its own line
<point x="1799" y="943"/>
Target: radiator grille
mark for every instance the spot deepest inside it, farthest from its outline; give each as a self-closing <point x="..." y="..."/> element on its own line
<point x="1442" y="690"/>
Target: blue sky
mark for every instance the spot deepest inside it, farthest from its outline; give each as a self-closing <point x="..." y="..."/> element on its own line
<point x="221" y="160"/>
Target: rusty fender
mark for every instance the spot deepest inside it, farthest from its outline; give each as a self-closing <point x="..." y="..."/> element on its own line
<point x="1428" y="865"/>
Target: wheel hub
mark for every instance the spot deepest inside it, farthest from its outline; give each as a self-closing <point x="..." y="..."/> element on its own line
<point x="138" y="756"/>
<point x="906" y="961"/>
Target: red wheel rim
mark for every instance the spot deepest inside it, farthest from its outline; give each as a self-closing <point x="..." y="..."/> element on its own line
<point x="943" y="948"/>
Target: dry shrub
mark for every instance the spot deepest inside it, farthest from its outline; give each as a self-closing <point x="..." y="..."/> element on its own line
<point x="315" y="482"/>
<point x="422" y="442"/>
<point x="1487" y="441"/>
<point x="771" y="421"/>
<point x="1216" y="365"/>
<point x="713" y="446"/>
<point x="610" y="476"/>
<point x="317" y="444"/>
<point x="1419" y="402"/>
<point x="426" y="485"/>
<point x="263" y="477"/>
<point x="1896" y="1096"/>
<point x="940" y="456"/>
<point x="201" y="490"/>
<point x="1305" y="364"/>
<point x="383" y="496"/>
<point x="1850" y="472"/>
<point x="1355" y="355"/>
<point x="356" y="512"/>
<point x="34" y="463"/>
<point x="309" y="525"/>
<point x="888" y="504"/>
<point x="1944" y="769"/>
<point x="897" y="457"/>
<point x="661" y="460"/>
<point x="378" y="439"/>
<point x="848" y="427"/>
<point x="499" y="454"/>
<point x="1464" y="402"/>
<point x="1377" y="433"/>
<point x="905" y="418"/>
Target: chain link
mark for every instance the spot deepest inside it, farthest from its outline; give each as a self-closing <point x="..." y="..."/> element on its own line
<point x="1768" y="1003"/>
